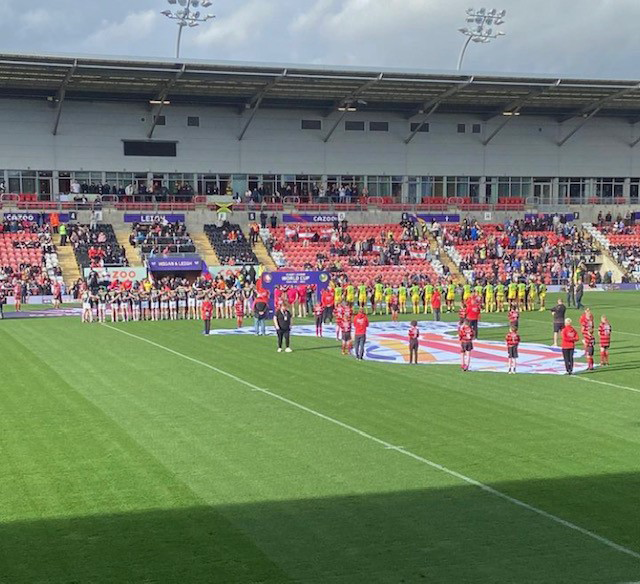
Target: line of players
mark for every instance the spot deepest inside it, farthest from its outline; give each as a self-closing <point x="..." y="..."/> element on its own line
<point x="182" y="303"/>
<point x="427" y="298"/>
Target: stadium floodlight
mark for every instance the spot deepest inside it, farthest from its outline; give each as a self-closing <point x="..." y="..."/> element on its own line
<point x="485" y="30"/>
<point x="187" y="16"/>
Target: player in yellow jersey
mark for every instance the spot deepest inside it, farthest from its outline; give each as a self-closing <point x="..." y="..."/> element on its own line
<point x="500" y="295"/>
<point x="428" y="295"/>
<point x="402" y="298"/>
<point x="377" y="298"/>
<point x="489" y="298"/>
<point x="414" y="291"/>
<point x="451" y="296"/>
<point x="522" y="296"/>
<point x="532" y="294"/>
<point x="351" y="294"/>
<point x="542" y="293"/>
<point x="362" y="296"/>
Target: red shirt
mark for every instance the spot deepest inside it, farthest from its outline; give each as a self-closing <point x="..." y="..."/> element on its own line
<point x="239" y="308"/>
<point x="318" y="309"/>
<point x="345" y="325"/>
<point x="462" y="313"/>
<point x="347" y="313"/>
<point x="328" y="297"/>
<point x="586" y="322"/>
<point x="338" y="313"/>
<point x="513" y="339"/>
<point x="604" y="330"/>
<point x="436" y="301"/>
<point x="465" y="333"/>
<point x="513" y="316"/>
<point x="589" y="338"/>
<point x="207" y="310"/>
<point x="360" y="323"/>
<point x="414" y="332"/>
<point x="569" y="337"/>
<point x="473" y="311"/>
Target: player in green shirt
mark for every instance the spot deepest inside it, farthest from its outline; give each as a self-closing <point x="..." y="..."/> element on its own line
<point x="377" y="297"/>
<point x="522" y="296"/>
<point x="388" y="293"/>
<point x="542" y="293"/>
<point x="428" y="294"/>
<point x="402" y="298"/>
<point x="532" y="297"/>
<point x="351" y="294"/>
<point x="512" y="292"/>
<point x="451" y="296"/>
<point x="466" y="292"/>
<point x="337" y="295"/>
<point x="362" y="297"/>
<point x="489" y="298"/>
<point x="414" y="292"/>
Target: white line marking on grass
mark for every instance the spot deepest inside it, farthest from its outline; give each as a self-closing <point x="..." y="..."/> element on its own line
<point x="581" y="378"/>
<point x="470" y="481"/>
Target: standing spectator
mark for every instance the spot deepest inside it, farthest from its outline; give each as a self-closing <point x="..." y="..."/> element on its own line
<point x="579" y="294"/>
<point x="259" y="315"/>
<point x="558" y="313"/>
<point x="436" y="304"/>
<point x="571" y="292"/>
<point x="63" y="234"/>
<point x="360" y="323"/>
<point x="207" y="313"/>
<point x="569" y="339"/>
<point x="263" y="219"/>
<point x="274" y="221"/>
<point x="282" y="321"/>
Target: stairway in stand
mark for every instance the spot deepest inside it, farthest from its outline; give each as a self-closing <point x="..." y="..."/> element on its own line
<point x="131" y="252"/>
<point x="68" y="264"/>
<point x="263" y="257"/>
<point x="445" y="258"/>
<point x="204" y="249"/>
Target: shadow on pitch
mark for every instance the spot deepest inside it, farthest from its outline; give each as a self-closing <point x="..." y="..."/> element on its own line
<point x="442" y="536"/>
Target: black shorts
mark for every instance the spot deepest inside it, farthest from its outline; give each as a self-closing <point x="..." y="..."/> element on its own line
<point x="346" y="336"/>
<point x="318" y="320"/>
<point x="557" y="327"/>
<point x="413" y="344"/>
<point x="466" y="347"/>
<point x="605" y="347"/>
<point x="513" y="352"/>
<point x="394" y="307"/>
<point x="589" y="351"/>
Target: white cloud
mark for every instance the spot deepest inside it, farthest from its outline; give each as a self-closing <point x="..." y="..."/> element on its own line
<point x="135" y="27"/>
<point x="247" y="22"/>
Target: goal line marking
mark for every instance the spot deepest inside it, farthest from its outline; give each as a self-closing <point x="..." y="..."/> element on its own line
<point x="470" y="481"/>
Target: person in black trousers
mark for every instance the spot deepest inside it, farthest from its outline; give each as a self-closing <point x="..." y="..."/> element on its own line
<point x="282" y="322"/>
<point x="579" y="294"/>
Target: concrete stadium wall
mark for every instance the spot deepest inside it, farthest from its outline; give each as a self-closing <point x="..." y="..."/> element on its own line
<point x="90" y="138"/>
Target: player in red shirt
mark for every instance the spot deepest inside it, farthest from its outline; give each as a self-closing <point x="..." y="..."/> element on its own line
<point x="318" y="311"/>
<point x="436" y="304"/>
<point x="604" y="332"/>
<point x="569" y="339"/>
<point x="513" y="340"/>
<point x="302" y="300"/>
<point x="360" y="324"/>
<point x="462" y="315"/>
<point x="239" y="306"/>
<point x="395" y="308"/>
<point x="347" y="311"/>
<point x="474" y="306"/>
<point x="207" y="313"/>
<point x="328" y="302"/>
<point x="345" y="328"/>
<point x="57" y="294"/>
<point x="414" y="335"/>
<point x="589" y="341"/>
<point x="338" y="316"/>
<point x="586" y="323"/>
<point x="465" y="334"/>
<point x="17" y="296"/>
<point x="514" y="317"/>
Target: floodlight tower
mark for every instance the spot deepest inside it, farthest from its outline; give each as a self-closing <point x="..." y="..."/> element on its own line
<point x="187" y="15"/>
<point x="481" y="28"/>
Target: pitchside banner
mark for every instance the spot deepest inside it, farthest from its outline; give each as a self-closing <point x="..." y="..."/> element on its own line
<point x="122" y="274"/>
<point x="270" y="280"/>
<point x="167" y="264"/>
<point x="312" y="218"/>
<point x="38" y="218"/>
<point x="568" y="217"/>
<point x="153" y="218"/>
<point x="441" y="218"/>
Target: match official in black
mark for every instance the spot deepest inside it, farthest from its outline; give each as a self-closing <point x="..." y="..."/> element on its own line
<point x="282" y="322"/>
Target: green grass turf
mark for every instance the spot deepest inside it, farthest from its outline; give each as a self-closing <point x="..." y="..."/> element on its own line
<point x="122" y="462"/>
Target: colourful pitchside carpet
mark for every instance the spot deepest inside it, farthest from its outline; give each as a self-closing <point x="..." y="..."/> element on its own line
<point x="147" y="452"/>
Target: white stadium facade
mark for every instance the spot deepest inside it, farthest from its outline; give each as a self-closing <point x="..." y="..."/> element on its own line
<point x="480" y="139"/>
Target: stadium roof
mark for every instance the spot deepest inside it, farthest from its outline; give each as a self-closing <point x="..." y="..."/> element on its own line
<point x="252" y="85"/>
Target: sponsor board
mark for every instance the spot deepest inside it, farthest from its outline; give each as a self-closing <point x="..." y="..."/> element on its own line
<point x="153" y="217"/>
<point x="122" y="274"/>
<point x="312" y="218"/>
<point x="387" y="342"/>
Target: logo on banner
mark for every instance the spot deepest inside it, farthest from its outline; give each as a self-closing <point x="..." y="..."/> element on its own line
<point x="387" y="342"/>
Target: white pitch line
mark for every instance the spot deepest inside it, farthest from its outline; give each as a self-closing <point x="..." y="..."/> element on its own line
<point x="616" y="332"/>
<point x="581" y="378"/>
<point x="470" y="481"/>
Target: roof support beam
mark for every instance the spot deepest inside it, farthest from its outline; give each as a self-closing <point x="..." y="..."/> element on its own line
<point x="635" y="142"/>
<point x="438" y="99"/>
<point x="582" y="122"/>
<point x="349" y="99"/>
<point x="162" y="97"/>
<point x="256" y="100"/>
<point x="512" y="110"/>
<point x="433" y="105"/>
<point x="334" y="127"/>
<point x="62" y="92"/>
<point x="600" y="103"/>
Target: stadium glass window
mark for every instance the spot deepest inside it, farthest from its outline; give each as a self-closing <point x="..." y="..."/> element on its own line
<point x="634" y="191"/>
<point x="378" y="126"/>
<point x="476" y="129"/>
<point x="193" y="121"/>
<point x="161" y="120"/>
<point x="462" y="128"/>
<point x="608" y="188"/>
<point x="311" y="125"/>
<point x="354" y="126"/>
<point x="420" y="128"/>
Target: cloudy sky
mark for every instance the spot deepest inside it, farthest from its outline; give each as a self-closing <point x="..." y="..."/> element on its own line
<point x="595" y="38"/>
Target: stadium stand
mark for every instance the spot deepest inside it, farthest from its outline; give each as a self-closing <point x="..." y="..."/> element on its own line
<point x="27" y="254"/>
<point x="96" y="246"/>
<point x="230" y="244"/>
<point x="539" y="248"/>
<point x="362" y="252"/>
<point x="622" y="239"/>
<point x="161" y="238"/>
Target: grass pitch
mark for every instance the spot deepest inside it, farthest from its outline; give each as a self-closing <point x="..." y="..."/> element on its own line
<point x="161" y="455"/>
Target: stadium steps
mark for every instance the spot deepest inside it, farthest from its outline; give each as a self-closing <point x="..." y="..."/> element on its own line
<point x="205" y="250"/>
<point x="600" y="242"/>
<point x="445" y="258"/>
<point x="263" y="256"/>
<point x="68" y="264"/>
<point x="132" y="253"/>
